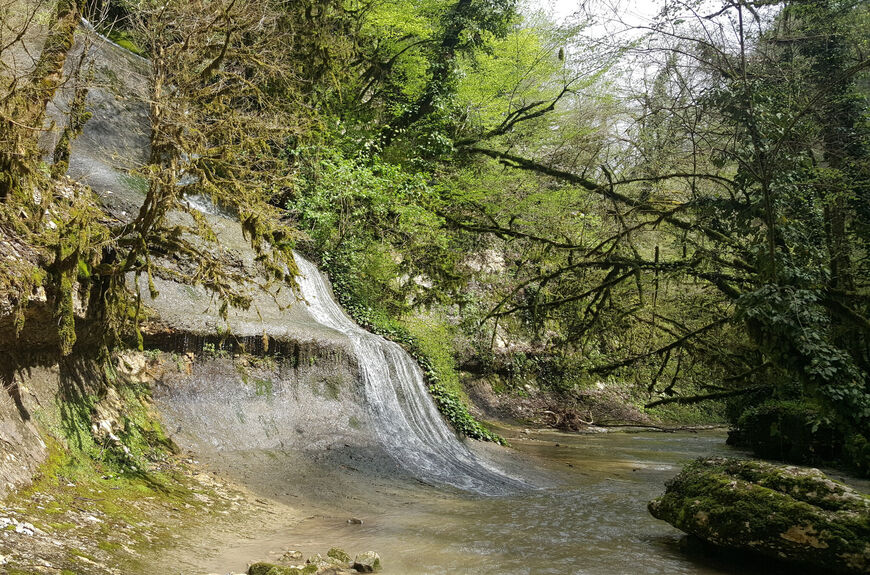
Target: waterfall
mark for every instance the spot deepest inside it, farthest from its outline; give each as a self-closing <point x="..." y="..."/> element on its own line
<point x="407" y="422"/>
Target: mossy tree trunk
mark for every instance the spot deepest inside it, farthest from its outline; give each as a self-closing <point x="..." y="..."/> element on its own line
<point x="24" y="111"/>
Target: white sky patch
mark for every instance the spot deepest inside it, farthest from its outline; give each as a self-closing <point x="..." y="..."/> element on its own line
<point x="560" y="9"/>
<point x="630" y="12"/>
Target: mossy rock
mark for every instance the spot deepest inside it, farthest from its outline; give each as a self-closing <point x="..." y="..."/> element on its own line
<point x="322" y="562"/>
<point x="338" y="554"/>
<point x="789" y="513"/>
<point x="272" y="569"/>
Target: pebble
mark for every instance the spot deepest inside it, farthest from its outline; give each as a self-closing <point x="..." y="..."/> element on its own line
<point x="24" y="529"/>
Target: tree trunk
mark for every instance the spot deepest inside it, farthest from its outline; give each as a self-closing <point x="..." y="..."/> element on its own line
<point x="22" y="119"/>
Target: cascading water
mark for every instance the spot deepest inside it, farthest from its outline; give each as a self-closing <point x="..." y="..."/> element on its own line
<point x="405" y="417"/>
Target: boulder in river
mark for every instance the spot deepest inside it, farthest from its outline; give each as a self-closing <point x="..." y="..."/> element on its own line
<point x="322" y="562"/>
<point x="791" y="513"/>
<point x="368" y="562"/>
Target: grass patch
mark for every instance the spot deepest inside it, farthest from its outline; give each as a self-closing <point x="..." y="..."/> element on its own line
<point x="707" y="413"/>
<point x="135" y="182"/>
<point x="125" y="40"/>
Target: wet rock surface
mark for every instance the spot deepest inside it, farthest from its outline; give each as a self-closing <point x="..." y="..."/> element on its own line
<point x="790" y="513"/>
<point x="368" y="562"/>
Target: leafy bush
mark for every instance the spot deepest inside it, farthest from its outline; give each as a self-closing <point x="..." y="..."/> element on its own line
<point x="794" y="430"/>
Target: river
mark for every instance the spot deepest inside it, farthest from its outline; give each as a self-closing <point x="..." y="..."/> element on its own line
<point x="592" y="520"/>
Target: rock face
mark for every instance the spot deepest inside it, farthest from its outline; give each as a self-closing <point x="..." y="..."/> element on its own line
<point x="791" y="513"/>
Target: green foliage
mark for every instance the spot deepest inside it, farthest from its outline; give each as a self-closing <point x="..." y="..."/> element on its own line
<point x="705" y="235"/>
<point x="375" y="226"/>
<point x="857" y="451"/>
<point x="793" y="327"/>
<point x="214" y="351"/>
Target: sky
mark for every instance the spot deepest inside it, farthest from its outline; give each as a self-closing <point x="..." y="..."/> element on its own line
<point x="632" y="11"/>
<point x="560" y="8"/>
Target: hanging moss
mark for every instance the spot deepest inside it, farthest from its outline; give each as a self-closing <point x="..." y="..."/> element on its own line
<point x="65" y="314"/>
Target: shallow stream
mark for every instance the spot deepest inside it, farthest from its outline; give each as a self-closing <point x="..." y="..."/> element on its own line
<point x="593" y="521"/>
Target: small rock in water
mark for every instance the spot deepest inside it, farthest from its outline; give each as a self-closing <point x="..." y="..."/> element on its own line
<point x="322" y="562"/>
<point x="355" y="521"/>
<point x="368" y="562"/>
<point x="291" y="555"/>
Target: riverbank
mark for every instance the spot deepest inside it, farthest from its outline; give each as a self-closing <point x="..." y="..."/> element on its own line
<point x="109" y="525"/>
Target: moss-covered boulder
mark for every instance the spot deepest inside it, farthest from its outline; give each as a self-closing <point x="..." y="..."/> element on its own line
<point x="339" y="555"/>
<point x="272" y="569"/>
<point x="322" y="562"/>
<point x="790" y="513"/>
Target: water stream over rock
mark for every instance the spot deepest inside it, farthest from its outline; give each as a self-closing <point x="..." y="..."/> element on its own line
<point x="406" y="420"/>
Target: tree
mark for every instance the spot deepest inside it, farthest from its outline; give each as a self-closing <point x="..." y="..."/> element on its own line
<point x="26" y="97"/>
<point x="758" y="105"/>
<point x="226" y="96"/>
